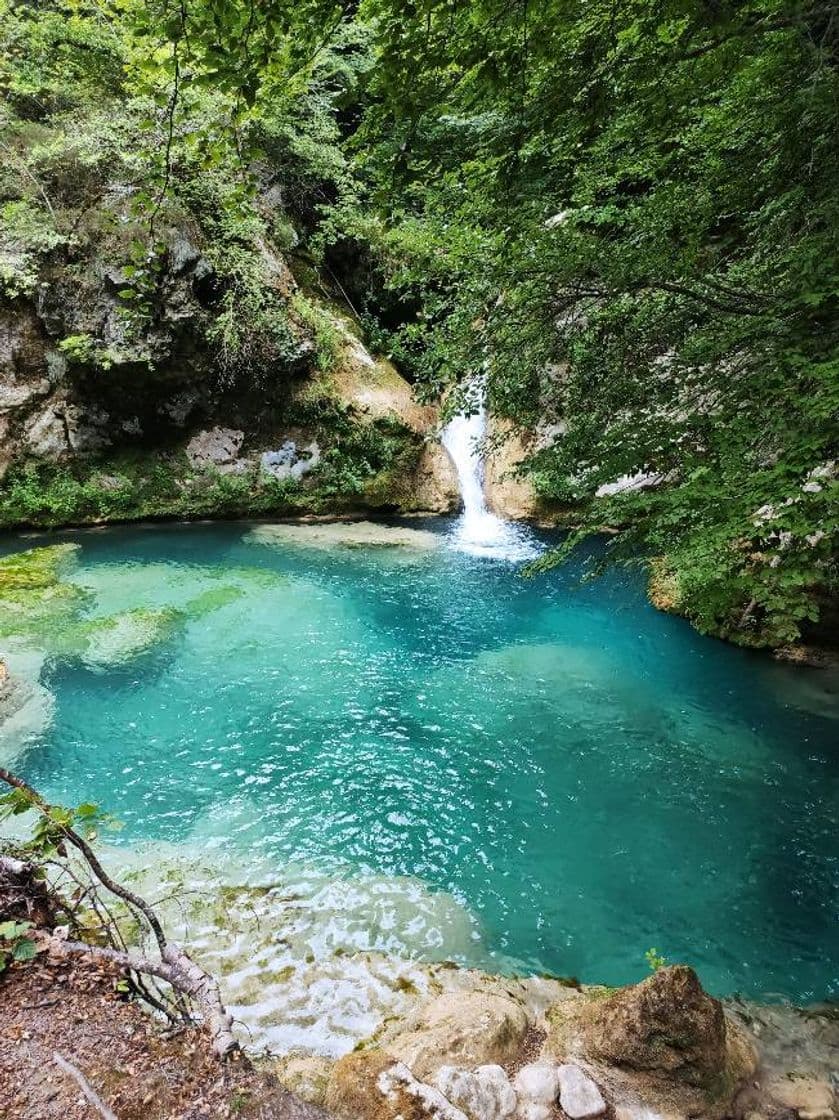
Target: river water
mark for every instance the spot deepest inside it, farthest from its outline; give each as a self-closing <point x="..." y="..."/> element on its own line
<point x="411" y="747"/>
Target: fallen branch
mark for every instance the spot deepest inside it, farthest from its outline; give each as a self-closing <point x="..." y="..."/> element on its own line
<point x="185" y="976"/>
<point x="85" y="1086"/>
<point x="42" y="806"/>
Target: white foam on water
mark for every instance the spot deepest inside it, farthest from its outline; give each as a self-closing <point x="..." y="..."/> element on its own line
<point x="478" y="531"/>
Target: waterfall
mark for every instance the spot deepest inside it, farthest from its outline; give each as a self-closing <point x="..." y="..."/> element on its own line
<point x="477" y="530"/>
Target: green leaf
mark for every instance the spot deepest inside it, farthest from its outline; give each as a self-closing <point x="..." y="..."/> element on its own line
<point x="24" y="950"/>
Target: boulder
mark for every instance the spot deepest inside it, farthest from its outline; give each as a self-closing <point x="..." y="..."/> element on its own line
<point x="472" y="1029"/>
<point x="667" y="1024"/>
<point x="538" y="1082"/>
<point x="485" y="1094"/>
<point x="579" y="1096"/>
<point x="809" y="1097"/>
<point x="218" y="447"/>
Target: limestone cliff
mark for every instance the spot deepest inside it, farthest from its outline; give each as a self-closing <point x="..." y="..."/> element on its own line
<point x="185" y="371"/>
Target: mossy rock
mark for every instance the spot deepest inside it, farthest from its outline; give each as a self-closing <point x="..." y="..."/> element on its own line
<point x="122" y="638"/>
<point x="35" y="604"/>
<point x="36" y="568"/>
<point x="212" y="600"/>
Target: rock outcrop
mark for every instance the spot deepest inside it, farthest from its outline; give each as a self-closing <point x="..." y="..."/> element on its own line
<point x="157" y="405"/>
<point x="508" y="493"/>
<point x="667" y="1024"/>
<point x="483" y="1051"/>
<point x="469" y="1029"/>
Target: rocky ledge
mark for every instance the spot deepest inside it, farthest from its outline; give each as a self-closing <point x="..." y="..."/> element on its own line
<point x="479" y="1047"/>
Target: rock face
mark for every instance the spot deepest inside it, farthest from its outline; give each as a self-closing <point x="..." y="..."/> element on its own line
<point x="468" y="1030"/>
<point x="507" y="494"/>
<point x="164" y="402"/>
<point x="218" y="447"/>
<point x="289" y="462"/>
<point x="667" y="1024"/>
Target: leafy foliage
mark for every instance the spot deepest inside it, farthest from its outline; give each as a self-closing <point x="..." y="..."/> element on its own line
<point x="49" y="827"/>
<point x="15" y="943"/>
<point x="627" y="215"/>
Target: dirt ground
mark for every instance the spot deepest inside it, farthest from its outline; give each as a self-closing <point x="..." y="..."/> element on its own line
<point x="71" y="1006"/>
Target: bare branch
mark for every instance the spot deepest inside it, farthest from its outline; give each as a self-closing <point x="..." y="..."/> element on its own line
<point x="179" y="970"/>
<point x="85" y="1086"/>
<point x="82" y="845"/>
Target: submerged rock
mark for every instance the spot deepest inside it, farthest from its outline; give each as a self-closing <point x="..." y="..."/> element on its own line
<point x="344" y="534"/>
<point x="36" y="604"/>
<point x="35" y="568"/>
<point x="120" y="638"/>
<point x="26" y="706"/>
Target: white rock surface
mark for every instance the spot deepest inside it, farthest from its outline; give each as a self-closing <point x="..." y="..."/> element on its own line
<point x="474" y="1028"/>
<point x="532" y="1110"/>
<point x="538" y="1083"/>
<point x="431" y="1099"/>
<point x="578" y="1095"/>
<point x="627" y="482"/>
<point x="290" y="462"/>
<point x="485" y="1094"/>
<point x="810" y="1097"/>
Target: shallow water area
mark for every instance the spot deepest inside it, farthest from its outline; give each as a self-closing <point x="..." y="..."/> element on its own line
<point x="407" y="748"/>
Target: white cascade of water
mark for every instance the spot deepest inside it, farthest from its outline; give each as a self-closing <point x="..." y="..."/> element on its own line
<point x="478" y="530"/>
